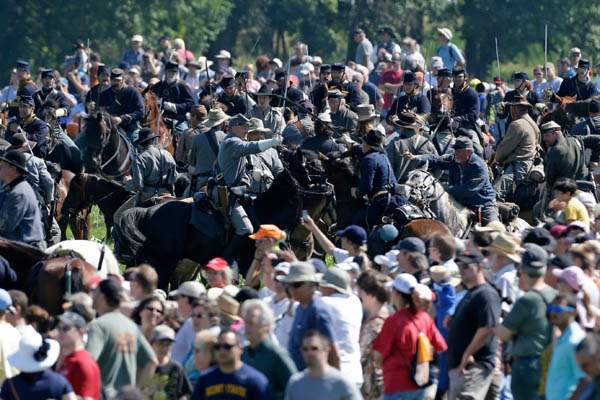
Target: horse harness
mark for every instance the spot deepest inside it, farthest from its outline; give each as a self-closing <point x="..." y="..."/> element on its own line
<point x="121" y="138"/>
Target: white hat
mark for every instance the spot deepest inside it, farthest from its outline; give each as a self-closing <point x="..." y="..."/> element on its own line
<point x="25" y="358"/>
<point x="575" y="50"/>
<point x="388" y="260"/>
<point x="349" y="265"/>
<point x="437" y="62"/>
<point x="277" y="62"/>
<point x="204" y="62"/>
<point x="223" y="54"/>
<point x="190" y="289"/>
<point x="215" y="292"/>
<point x="134" y="69"/>
<point x="137" y="38"/>
<point x="404" y="283"/>
<point x="283" y="267"/>
<point x="445" y="32"/>
<point x="423" y="292"/>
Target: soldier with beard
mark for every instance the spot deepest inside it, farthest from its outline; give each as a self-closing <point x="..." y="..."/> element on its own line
<point x="124" y="103"/>
<point x="92" y="98"/>
<point x="176" y="97"/>
<point x="49" y="92"/>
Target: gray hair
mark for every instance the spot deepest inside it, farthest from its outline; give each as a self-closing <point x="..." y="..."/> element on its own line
<point x="265" y="314"/>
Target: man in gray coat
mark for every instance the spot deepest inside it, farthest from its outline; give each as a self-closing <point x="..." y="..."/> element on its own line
<point x="271" y="118"/>
<point x="205" y="148"/>
<point x="516" y="151"/>
<point x="235" y="165"/>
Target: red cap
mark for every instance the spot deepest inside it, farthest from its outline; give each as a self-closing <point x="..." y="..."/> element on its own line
<point x="217" y="264"/>
<point x="558" y="230"/>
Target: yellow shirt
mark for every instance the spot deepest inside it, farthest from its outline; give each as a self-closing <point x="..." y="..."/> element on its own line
<point x="576" y="211"/>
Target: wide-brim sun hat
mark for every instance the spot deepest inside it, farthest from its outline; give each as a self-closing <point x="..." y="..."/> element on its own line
<point x="25" y="359"/>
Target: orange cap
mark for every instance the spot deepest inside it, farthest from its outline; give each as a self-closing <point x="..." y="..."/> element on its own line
<point x="268" y="231"/>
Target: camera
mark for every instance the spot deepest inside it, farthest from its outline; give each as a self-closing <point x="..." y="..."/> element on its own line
<point x="485" y="87"/>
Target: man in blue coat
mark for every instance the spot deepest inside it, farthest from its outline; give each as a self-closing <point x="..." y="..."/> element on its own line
<point x="124" y="103"/>
<point x="20" y="217"/>
<point x="468" y="179"/>
<point x="35" y="129"/>
<point x="466" y="102"/>
<point x="176" y="97"/>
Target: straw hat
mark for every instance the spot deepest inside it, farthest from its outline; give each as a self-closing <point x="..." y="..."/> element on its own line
<point x="506" y="245"/>
<point x="216" y="116"/>
<point x="228" y="306"/>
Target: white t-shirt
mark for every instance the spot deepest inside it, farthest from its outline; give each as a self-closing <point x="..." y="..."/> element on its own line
<point x="9" y="344"/>
<point x="348" y="313"/>
<point x="184" y="342"/>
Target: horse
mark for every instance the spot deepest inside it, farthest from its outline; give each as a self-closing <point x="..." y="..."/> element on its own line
<point x="86" y="190"/>
<point x="154" y="120"/>
<point x="342" y="174"/>
<point x="108" y="151"/>
<point x="426" y="189"/>
<point x="162" y="235"/>
<point x="47" y="276"/>
<point x="562" y="114"/>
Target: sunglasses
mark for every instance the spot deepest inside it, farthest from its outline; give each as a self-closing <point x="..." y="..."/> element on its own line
<point x="154" y="309"/>
<point x="306" y="349"/>
<point x="202" y="315"/>
<point x="224" y="346"/>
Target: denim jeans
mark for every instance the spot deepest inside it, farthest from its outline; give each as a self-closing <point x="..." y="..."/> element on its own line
<point x="412" y="395"/>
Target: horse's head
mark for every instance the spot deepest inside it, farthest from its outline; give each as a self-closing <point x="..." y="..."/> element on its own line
<point x="423" y="186"/>
<point x="306" y="167"/>
<point x="99" y="127"/>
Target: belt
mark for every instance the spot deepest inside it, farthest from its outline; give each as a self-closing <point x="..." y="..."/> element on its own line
<point x="379" y="194"/>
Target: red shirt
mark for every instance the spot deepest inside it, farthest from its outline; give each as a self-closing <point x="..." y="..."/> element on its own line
<point x="390" y="76"/>
<point x="82" y="371"/>
<point x="397" y="343"/>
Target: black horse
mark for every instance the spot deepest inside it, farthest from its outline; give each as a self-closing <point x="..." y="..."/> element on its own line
<point x="86" y="190"/>
<point x="162" y="235"/>
<point x="107" y="151"/>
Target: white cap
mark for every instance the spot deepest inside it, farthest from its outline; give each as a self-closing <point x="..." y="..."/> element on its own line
<point x="277" y="62"/>
<point x="437" y="62"/>
<point x="445" y="32"/>
<point x="283" y="267"/>
<point x="190" y="289"/>
<point x="388" y="260"/>
<point x="423" y="292"/>
<point x="349" y="265"/>
<point x="223" y="54"/>
<point x="404" y="283"/>
<point x="137" y="38"/>
<point x="575" y="50"/>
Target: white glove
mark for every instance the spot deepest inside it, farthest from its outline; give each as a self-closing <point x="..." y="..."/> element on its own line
<point x="268" y="143"/>
<point x="60" y="112"/>
<point x="169" y="106"/>
<point x="277" y="140"/>
<point x="345" y="139"/>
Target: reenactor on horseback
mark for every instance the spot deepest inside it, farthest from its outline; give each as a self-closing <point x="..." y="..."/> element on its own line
<point x="271" y="117"/>
<point x="124" y="103"/>
<point x="20" y="217"/>
<point x="26" y="88"/>
<point x="92" y="98"/>
<point x="591" y="124"/>
<point x="343" y="119"/>
<point x="517" y="150"/>
<point x="468" y="179"/>
<point x="236" y="168"/>
<point x="350" y="90"/>
<point x="411" y="99"/>
<point x="36" y="130"/>
<point x="41" y="182"/>
<point x="176" y="98"/>
<point x="230" y="98"/>
<point x="153" y="174"/>
<point x="580" y="86"/>
<point x="49" y="92"/>
<point x="523" y="88"/>
<point x="466" y="102"/>
<point x="205" y="148"/>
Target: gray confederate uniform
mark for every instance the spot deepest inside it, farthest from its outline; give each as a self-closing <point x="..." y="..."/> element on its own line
<point x="271" y="118"/>
<point x="203" y="155"/>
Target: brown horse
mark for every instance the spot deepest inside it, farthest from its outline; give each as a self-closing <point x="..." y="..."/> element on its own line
<point x="562" y="114"/>
<point x="45" y="278"/>
<point x="79" y="221"/>
<point x="425" y="229"/>
<point x="154" y="120"/>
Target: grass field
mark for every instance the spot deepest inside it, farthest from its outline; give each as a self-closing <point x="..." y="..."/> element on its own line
<point x="98" y="229"/>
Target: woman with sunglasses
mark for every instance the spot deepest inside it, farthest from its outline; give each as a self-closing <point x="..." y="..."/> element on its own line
<point x="148" y="315"/>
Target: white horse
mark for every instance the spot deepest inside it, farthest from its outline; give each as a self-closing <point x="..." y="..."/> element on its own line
<point x="427" y="190"/>
<point x="89" y="251"/>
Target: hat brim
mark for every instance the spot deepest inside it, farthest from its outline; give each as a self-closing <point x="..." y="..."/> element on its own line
<point x="18" y="167"/>
<point x="26" y="363"/>
<point x="260" y="130"/>
<point x="315" y="278"/>
<point x="212" y="124"/>
<point x="332" y="286"/>
<point x="367" y="117"/>
<point x="140" y="141"/>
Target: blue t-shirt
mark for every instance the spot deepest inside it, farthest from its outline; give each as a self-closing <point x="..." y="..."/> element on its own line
<point x="245" y="383"/>
<point x="317" y="315"/>
<point x="450" y="55"/>
<point x="47" y="385"/>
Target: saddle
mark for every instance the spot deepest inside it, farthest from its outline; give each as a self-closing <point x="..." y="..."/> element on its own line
<point x="206" y="218"/>
<point x="405" y="213"/>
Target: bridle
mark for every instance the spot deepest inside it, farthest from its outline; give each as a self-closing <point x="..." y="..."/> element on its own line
<point x="426" y="187"/>
<point x="104" y="142"/>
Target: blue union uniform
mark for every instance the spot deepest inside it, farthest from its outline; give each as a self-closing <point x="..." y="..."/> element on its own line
<point x="177" y="93"/>
<point x="127" y="104"/>
<point x="20" y="217"/>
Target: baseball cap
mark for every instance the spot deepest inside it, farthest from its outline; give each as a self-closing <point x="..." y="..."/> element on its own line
<point x="353" y="233"/>
<point x="534" y="258"/>
<point x="404" y="283"/>
<point x="192" y="289"/>
<point x="572" y="276"/>
<point x="5" y="301"/>
<point x="423" y="292"/>
<point x="217" y="264"/>
<point x="411" y="244"/>
<point x="163" y="332"/>
<point x="469" y="258"/>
